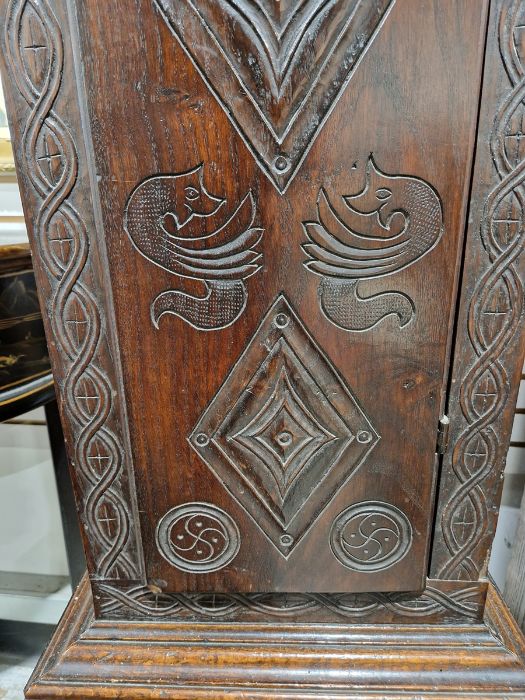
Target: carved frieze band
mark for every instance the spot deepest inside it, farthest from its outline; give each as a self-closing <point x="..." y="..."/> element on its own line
<point x="35" y="55"/>
<point x="390" y="224"/>
<point x="435" y="603"/>
<point x="495" y="315"/>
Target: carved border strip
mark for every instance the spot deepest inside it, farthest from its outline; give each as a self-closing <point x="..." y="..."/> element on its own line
<point x="435" y="602"/>
<point x="49" y="158"/>
<point x="470" y="491"/>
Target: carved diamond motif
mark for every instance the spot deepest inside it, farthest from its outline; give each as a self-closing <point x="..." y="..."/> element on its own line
<point x="277" y="67"/>
<point x="286" y="430"/>
<point x="284" y="433"/>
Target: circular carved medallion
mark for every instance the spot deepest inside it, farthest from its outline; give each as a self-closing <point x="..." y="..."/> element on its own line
<point x="198" y="537"/>
<point x="370" y="536"/>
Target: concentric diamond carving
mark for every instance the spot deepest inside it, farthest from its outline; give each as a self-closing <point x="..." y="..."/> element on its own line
<point x="284" y="433"/>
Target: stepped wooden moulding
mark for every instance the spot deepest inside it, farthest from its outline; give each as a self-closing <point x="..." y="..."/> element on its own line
<point x="278" y="247"/>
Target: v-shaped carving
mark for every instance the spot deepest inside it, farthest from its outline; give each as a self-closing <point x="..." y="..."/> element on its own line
<point x="277" y="66"/>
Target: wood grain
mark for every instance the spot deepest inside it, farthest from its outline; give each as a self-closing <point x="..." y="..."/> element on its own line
<point x="103" y="660"/>
<point x="181" y="368"/>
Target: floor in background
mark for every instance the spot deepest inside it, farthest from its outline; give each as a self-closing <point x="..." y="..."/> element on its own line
<point x="21" y="645"/>
<point x="14" y="674"/>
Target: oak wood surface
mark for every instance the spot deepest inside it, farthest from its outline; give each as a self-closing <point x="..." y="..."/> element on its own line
<point x="104" y="659"/>
<point x="412" y="104"/>
<point x="247" y="220"/>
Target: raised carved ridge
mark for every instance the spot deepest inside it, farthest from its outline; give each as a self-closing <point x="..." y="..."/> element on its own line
<point x="156" y="216"/>
<point x="289" y="60"/>
<point x="494" y="318"/>
<point x="277" y="441"/>
<point x="390" y="224"/>
<point x="142" y="602"/>
<point x="34" y="49"/>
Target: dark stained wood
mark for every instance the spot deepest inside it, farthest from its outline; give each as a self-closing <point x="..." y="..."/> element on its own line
<point x="105" y="659"/>
<point x="490" y="341"/>
<point x="181" y="368"/>
<point x="248" y="219"/>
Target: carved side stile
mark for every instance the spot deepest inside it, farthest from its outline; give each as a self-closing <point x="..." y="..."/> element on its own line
<point x="60" y="222"/>
<point x="491" y="318"/>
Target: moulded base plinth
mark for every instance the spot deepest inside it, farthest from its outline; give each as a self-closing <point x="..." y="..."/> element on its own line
<point x="90" y="658"/>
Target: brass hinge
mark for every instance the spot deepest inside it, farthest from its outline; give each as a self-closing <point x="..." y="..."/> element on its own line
<point x="442" y="436"/>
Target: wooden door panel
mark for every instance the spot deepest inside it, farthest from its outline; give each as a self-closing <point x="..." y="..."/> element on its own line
<point x="284" y="305"/>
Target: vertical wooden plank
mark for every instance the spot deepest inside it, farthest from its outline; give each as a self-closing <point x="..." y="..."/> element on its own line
<point x="490" y="335"/>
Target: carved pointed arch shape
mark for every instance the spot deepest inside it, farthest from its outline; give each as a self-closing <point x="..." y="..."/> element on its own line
<point x="277" y="68"/>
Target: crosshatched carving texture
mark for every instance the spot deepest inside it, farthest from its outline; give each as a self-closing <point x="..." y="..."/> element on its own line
<point x="157" y="220"/>
<point x="289" y="60"/>
<point x="465" y="602"/>
<point x="370" y="536"/>
<point x="34" y="48"/>
<point x="392" y="223"/>
<point x="198" y="537"/>
<point x="495" y="315"/>
<point x="286" y="440"/>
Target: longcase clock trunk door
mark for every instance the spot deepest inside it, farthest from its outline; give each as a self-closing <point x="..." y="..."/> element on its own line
<point x="282" y="192"/>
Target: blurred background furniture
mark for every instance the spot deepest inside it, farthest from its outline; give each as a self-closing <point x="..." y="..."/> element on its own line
<point x="26" y="383"/>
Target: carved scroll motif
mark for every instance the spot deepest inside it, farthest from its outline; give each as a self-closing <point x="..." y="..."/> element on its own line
<point x="370" y="536"/>
<point x="198" y="537"/>
<point x="289" y="60"/>
<point x="157" y="214"/>
<point x="35" y="56"/>
<point x="391" y="224"/>
<point x="495" y="316"/>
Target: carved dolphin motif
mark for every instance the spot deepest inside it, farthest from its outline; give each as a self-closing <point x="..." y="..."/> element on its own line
<point x="390" y="224"/>
<point x="156" y="215"/>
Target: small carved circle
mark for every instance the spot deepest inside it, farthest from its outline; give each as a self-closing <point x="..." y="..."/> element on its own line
<point x="370" y="536"/>
<point x="285" y="438"/>
<point x="281" y="164"/>
<point x="281" y="320"/>
<point x="364" y="437"/>
<point x="198" y="537"/>
<point x="201" y="439"/>
<point x="286" y="540"/>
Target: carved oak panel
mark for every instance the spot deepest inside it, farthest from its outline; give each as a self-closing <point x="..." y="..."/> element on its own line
<point x="284" y="282"/>
<point x="253" y="296"/>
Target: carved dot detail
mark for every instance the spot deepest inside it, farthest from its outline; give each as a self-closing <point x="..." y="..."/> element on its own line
<point x="285" y="438"/>
<point x="364" y="437"/>
<point x="286" y="540"/>
<point x="202" y="439"/>
<point x="198" y="537"/>
<point x="370" y="536"/>
<point x="281" y="164"/>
